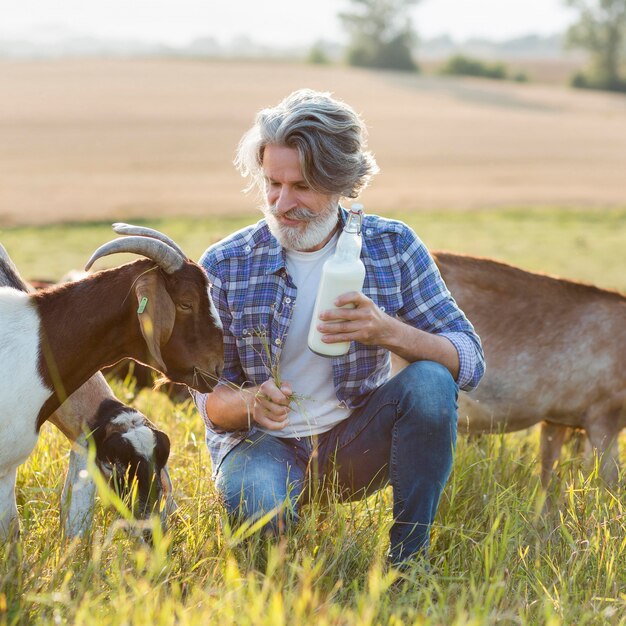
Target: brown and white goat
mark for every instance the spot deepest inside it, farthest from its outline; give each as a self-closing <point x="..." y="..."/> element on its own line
<point x="53" y="341"/>
<point x="127" y="444"/>
<point x="555" y="352"/>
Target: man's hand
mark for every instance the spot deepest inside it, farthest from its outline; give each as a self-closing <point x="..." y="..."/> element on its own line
<point x="271" y="405"/>
<point x="369" y="325"/>
<point x="364" y="323"/>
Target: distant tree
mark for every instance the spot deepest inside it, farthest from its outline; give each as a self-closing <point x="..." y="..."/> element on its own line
<point x="601" y="29"/>
<point x="381" y="34"/>
<point x="460" y="65"/>
<point x="317" y="55"/>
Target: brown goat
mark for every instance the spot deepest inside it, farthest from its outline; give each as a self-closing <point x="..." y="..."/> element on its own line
<point x="177" y="333"/>
<point x="555" y="353"/>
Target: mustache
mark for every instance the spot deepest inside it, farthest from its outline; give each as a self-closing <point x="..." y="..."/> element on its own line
<point x="299" y="213"/>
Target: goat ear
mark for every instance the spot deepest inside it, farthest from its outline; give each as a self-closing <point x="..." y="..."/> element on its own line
<point x="157" y="316"/>
<point x="162" y="448"/>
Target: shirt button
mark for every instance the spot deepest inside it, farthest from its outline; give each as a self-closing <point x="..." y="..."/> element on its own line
<point x="287" y="300"/>
<point x="247" y="248"/>
<point x="369" y="231"/>
<point x="244" y="331"/>
<point x="278" y="341"/>
<point x="382" y="308"/>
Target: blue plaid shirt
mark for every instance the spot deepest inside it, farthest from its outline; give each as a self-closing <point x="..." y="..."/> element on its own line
<point x="254" y="297"/>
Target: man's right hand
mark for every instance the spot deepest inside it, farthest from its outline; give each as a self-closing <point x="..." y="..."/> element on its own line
<point x="271" y="405"/>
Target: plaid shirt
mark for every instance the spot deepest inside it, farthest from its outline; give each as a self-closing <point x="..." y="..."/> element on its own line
<point x="254" y="297"/>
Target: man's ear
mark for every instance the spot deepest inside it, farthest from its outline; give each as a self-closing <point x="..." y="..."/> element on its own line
<point x="156" y="313"/>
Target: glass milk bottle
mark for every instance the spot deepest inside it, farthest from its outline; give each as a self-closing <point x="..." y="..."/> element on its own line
<point x="341" y="273"/>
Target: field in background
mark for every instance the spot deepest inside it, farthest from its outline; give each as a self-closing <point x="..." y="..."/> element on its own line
<point x="107" y="139"/>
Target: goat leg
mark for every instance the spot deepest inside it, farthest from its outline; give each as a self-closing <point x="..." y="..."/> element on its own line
<point x="77" y="499"/>
<point x="9" y="521"/>
<point x="603" y="435"/>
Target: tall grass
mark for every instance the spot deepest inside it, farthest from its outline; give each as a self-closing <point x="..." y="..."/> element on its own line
<point x="497" y="557"/>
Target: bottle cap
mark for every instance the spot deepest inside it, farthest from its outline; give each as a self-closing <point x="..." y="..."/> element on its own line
<point x="355" y="215"/>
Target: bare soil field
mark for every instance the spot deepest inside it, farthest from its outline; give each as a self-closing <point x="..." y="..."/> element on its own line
<point x="95" y="139"/>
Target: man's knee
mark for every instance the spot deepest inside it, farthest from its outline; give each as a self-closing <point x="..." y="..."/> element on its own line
<point x="429" y="393"/>
<point x="253" y="489"/>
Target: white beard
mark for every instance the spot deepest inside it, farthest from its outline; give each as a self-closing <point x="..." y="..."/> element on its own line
<point x="304" y="237"/>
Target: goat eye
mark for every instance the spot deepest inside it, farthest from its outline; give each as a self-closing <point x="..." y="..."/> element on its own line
<point x="185" y="306"/>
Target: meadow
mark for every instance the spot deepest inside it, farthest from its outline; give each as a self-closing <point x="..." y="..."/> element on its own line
<point x="496" y="558"/>
<point x="528" y="174"/>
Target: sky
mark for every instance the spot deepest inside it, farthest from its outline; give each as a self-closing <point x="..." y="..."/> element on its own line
<point x="280" y="23"/>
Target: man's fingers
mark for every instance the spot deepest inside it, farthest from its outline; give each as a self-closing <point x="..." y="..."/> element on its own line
<point x="269" y="391"/>
<point x="270" y="424"/>
<point x="270" y="416"/>
<point x="351" y="297"/>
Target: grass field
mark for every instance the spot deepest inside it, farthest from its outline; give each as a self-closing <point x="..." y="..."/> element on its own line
<point x="496" y="558"/>
<point x="582" y="244"/>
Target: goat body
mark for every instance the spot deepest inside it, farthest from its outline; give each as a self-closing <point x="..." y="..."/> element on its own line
<point x="98" y="317"/>
<point x="555" y="353"/>
<point x="22" y="390"/>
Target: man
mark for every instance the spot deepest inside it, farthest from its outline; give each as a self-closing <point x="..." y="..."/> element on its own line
<point x="285" y="414"/>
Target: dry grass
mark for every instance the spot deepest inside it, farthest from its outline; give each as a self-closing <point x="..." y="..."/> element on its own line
<point x="100" y="139"/>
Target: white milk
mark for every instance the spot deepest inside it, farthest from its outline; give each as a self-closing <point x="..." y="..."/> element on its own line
<point x="341" y="273"/>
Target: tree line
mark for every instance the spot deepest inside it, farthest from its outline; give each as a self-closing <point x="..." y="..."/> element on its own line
<point x="382" y="36"/>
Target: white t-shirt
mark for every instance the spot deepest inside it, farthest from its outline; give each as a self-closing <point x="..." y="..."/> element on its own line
<point x="315" y="408"/>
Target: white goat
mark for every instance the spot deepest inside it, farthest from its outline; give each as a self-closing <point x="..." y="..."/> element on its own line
<point x="53" y="341"/>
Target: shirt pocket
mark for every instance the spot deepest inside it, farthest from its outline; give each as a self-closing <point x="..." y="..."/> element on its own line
<point x="252" y="337"/>
<point x="383" y="287"/>
<point x="388" y="299"/>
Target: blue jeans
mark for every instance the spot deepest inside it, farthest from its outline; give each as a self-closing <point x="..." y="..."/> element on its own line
<point x="404" y="435"/>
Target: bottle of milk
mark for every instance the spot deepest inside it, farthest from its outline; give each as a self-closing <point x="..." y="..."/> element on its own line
<point x="342" y="272"/>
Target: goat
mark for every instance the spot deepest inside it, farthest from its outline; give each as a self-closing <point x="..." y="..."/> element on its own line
<point x="54" y="340"/>
<point x="124" y="439"/>
<point x="555" y="352"/>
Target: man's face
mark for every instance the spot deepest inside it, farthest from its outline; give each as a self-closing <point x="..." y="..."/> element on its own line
<point x="299" y="217"/>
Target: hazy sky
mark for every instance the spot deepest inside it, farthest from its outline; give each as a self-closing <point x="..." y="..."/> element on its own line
<point x="276" y="22"/>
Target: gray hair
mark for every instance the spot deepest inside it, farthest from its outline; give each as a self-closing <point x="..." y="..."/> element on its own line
<point x="328" y="135"/>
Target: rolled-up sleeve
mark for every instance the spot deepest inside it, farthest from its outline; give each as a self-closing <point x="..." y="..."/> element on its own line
<point x="428" y="305"/>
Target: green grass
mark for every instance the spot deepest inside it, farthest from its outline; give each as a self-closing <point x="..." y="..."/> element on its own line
<point x="585" y="244"/>
<point x="496" y="558"/>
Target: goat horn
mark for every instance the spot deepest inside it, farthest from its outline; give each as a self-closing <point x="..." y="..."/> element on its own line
<point x="129" y="229"/>
<point x="162" y="254"/>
